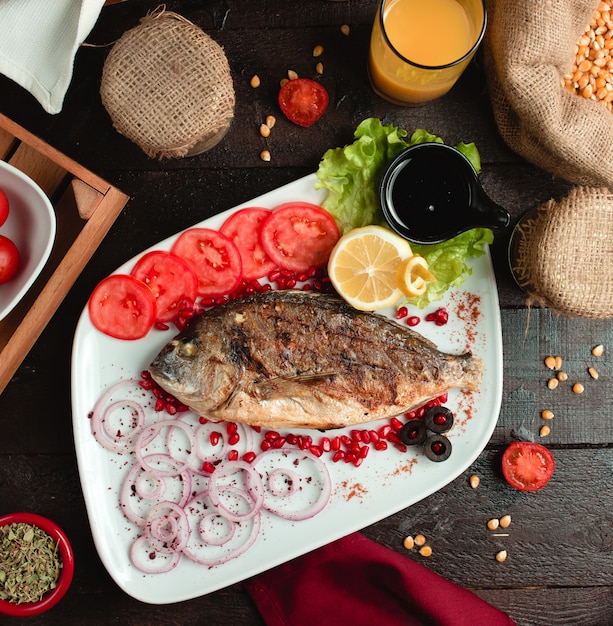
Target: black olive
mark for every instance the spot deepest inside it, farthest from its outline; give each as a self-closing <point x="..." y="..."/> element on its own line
<point x="437" y="448"/>
<point x="438" y="419"/>
<point x="413" y="433"/>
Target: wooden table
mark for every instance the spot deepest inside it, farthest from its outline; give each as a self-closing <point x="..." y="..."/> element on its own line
<point x="559" y="568"/>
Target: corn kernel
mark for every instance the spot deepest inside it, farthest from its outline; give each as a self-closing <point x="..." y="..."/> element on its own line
<point x="408" y="542"/>
<point x="425" y="551"/>
<point x="547" y="414"/>
<point x="505" y="521"/>
<point x="419" y="540"/>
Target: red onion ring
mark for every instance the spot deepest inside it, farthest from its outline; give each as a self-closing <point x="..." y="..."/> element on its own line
<point x="167" y="532"/>
<point x="147" y="435"/>
<point x="150" y="561"/>
<point x="211" y="538"/>
<point x="253" y="494"/>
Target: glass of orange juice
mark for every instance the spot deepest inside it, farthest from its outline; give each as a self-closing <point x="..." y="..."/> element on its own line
<point x="419" y="48"/>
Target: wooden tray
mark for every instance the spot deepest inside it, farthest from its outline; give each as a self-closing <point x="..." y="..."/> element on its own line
<point x="85" y="206"/>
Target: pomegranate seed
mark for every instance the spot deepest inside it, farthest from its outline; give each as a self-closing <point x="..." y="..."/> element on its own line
<point x="325" y="444"/>
<point x="356" y="435"/>
<point x="171" y="409"/>
<point x="271" y="435"/>
<point x="413" y="320"/>
<point x="291" y="283"/>
<point x="364" y="450"/>
<point x="440" y="419"/>
<point x="384" y="431"/>
<point x="336" y="443"/>
<point x="249" y="457"/>
<point x="366" y="436"/>
<point x="214" y="438"/>
<point x="374" y="436"/>
<point x="233" y="439"/>
<point x="410" y="415"/>
<point x="396" y="424"/>
<point x="393" y="437"/>
<point x="202" y="420"/>
<point x="258" y="429"/>
<point x="358" y="461"/>
<point x="146" y="384"/>
<point x="292" y="439"/>
<point x="231" y="427"/>
<point x="437" y="447"/>
<point x="350" y="457"/>
<point x="159" y="405"/>
<point x="265" y="445"/>
<point x="233" y="455"/>
<point x="381" y="445"/>
<point x="339" y="455"/>
<point x="346" y="441"/>
<point x="278" y="443"/>
<point x="316" y="450"/>
<point x="402" y="312"/>
<point x="400" y="446"/>
<point x="443" y="398"/>
<point x="208" y="467"/>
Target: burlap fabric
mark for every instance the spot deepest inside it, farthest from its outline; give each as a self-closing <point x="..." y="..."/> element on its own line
<point x="529" y="46"/>
<point x="167" y="86"/>
<point x="561" y="254"/>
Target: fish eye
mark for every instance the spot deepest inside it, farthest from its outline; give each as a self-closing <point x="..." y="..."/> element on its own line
<point x="187" y="348"/>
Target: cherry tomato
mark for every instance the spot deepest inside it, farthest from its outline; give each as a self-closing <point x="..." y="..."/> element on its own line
<point x="9" y="259"/>
<point x="4" y="207"/>
<point x="527" y="466"/>
<point x="172" y="281"/>
<point x="243" y="228"/>
<point x="122" y="307"/>
<point x="303" y="101"/>
<point x="214" y="258"/>
<point x="299" y="235"/>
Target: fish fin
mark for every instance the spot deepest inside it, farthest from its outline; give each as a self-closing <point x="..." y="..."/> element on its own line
<point x="283" y="387"/>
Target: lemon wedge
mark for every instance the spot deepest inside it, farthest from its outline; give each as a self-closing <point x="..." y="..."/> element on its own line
<point x="414" y="276"/>
<point x="364" y="267"/>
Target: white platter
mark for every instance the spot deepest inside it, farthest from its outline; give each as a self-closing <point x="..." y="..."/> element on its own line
<point x="385" y="483"/>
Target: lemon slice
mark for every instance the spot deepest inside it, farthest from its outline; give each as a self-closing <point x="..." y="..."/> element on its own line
<point x="414" y="276"/>
<point x="364" y="266"/>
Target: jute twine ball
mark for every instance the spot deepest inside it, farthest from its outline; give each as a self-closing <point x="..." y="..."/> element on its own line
<point x="167" y="87"/>
<point x="562" y="253"/>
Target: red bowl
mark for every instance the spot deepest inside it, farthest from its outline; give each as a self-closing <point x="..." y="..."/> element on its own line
<point x="52" y="597"/>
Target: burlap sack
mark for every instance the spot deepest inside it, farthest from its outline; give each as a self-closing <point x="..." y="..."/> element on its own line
<point x="561" y="254"/>
<point x="529" y="46"/>
<point x="167" y="86"/>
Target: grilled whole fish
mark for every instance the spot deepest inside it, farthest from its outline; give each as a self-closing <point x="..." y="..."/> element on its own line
<point x="304" y="360"/>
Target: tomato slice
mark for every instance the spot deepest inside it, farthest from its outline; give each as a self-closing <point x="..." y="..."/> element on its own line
<point x="243" y="228"/>
<point x="299" y="235"/>
<point x="214" y="258"/>
<point x="122" y="307"/>
<point x="9" y="259"/>
<point x="172" y="281"/>
<point x="303" y="101"/>
<point x="4" y="207"/>
<point x="527" y="466"/>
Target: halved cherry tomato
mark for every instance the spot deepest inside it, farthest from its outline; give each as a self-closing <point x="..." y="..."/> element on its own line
<point x="9" y="259"/>
<point x="214" y="258"/>
<point x="122" y="307"/>
<point x="4" y="207"/>
<point x="527" y="466"/>
<point x="299" y="235"/>
<point x="243" y="228"/>
<point x="172" y="281"/>
<point x="303" y="101"/>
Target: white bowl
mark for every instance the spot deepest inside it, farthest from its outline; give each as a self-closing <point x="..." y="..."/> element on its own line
<point x="31" y="226"/>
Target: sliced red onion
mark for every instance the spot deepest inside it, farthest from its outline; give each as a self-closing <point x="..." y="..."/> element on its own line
<point x="290" y="482"/>
<point x="167" y="528"/>
<point x="147" y="436"/>
<point x="253" y="493"/>
<point x="216" y="539"/>
<point x="150" y="561"/>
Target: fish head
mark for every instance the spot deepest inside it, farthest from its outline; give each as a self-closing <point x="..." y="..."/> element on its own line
<point x="193" y="369"/>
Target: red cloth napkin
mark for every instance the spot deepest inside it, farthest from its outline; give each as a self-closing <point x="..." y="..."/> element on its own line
<point x="358" y="582"/>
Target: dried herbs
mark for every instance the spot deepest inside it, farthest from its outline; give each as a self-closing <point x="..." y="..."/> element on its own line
<point x="30" y="563"/>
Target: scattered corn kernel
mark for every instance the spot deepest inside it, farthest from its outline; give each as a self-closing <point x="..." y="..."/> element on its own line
<point x="598" y="350"/>
<point x="578" y="388"/>
<point x="501" y="556"/>
<point x="265" y="155"/>
<point x="264" y="130"/>
<point x="292" y="75"/>
<point x="474" y="481"/>
<point x="505" y="521"/>
<point x="345" y="29"/>
<point x="425" y="551"/>
<point x="562" y="376"/>
<point x="550" y="362"/>
<point x="593" y="373"/>
<point x="493" y="523"/>
<point x="255" y="81"/>
<point x="271" y="120"/>
<point x="319" y="68"/>
<point x="552" y="383"/>
<point x="318" y="51"/>
<point x="544" y="431"/>
<point x="558" y="362"/>
<point x="547" y="414"/>
<point x="419" y="540"/>
<point x="408" y="542"/>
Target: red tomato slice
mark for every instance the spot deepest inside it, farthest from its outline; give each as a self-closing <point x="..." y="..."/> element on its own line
<point x="527" y="466"/>
<point x="122" y="307"/>
<point x="9" y="259"/>
<point x="215" y="259"/>
<point x="172" y="281"/>
<point x="243" y="228"/>
<point x="4" y="207"/>
<point x="303" y="101"/>
<point x="299" y="235"/>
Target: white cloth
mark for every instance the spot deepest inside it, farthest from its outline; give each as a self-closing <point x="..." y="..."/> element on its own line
<point x="39" y="40"/>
